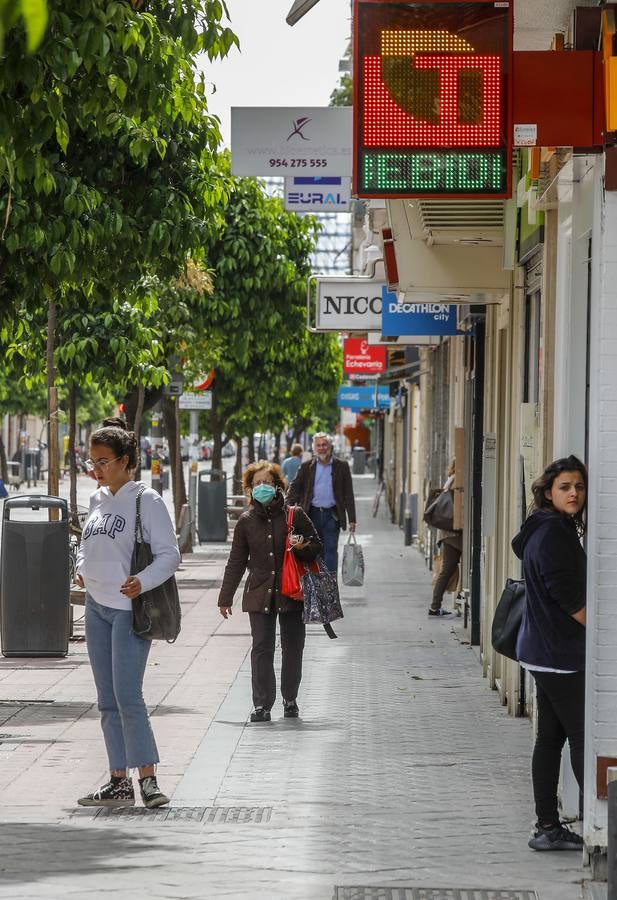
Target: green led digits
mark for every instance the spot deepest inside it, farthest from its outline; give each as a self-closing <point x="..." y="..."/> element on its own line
<point x="434" y="172"/>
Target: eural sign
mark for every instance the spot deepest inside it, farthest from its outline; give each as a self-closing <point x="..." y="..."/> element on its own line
<point x="402" y="317"/>
<point x="358" y="398"/>
<point x="432" y="110"/>
<point x="284" y="140"/>
<point x="344" y="303"/>
<point x="360" y="358"/>
<point x="317" y="193"/>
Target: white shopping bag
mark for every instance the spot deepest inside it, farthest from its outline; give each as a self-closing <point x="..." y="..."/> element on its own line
<point x="353" y="563"/>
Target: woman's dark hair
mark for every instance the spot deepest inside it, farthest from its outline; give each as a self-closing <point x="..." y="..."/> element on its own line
<point x="545" y="483"/>
<point x="275" y="470"/>
<point x="113" y="434"/>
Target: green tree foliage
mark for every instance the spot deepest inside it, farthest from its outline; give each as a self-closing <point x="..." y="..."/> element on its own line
<point x="106" y="147"/>
<point x="34" y="15"/>
<point x="269" y="369"/>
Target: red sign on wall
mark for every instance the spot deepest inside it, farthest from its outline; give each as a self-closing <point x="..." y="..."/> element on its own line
<point x="362" y="358"/>
<point x="432" y="98"/>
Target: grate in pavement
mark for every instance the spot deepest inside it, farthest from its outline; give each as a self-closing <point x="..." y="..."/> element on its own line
<point x="199" y="583"/>
<point x="207" y="815"/>
<point x="424" y="893"/>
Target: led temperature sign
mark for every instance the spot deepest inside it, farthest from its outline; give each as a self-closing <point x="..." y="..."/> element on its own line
<point x="431" y="105"/>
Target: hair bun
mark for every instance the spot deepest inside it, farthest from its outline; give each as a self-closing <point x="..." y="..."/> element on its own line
<point x="114" y="422"/>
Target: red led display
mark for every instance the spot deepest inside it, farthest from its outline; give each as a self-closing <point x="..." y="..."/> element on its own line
<point x="432" y="84"/>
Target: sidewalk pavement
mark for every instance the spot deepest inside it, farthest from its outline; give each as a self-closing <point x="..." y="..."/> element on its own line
<point x="403" y="772"/>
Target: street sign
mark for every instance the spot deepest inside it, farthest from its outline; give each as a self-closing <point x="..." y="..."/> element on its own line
<point x="344" y="303"/>
<point x="400" y="317"/>
<point x="285" y="140"/>
<point x="362" y="358"/>
<point x="203" y="400"/>
<point x="432" y="114"/>
<point x="358" y="398"/>
<point x="328" y="193"/>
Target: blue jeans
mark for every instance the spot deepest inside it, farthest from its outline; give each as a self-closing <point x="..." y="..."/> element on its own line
<point x="328" y="529"/>
<point x="118" y="658"/>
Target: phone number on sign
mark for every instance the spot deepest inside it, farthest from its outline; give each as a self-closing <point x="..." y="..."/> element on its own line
<point x="298" y="163"/>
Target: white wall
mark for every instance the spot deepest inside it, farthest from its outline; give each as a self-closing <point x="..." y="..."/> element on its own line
<point x="601" y="699"/>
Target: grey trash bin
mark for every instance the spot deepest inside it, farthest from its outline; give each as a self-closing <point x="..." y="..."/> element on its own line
<point x="212" y="506"/>
<point x="358" y="457"/>
<point x="34" y="572"/>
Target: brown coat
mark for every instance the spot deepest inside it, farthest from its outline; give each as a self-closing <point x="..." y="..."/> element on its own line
<point x="259" y="545"/>
<point x="301" y="489"/>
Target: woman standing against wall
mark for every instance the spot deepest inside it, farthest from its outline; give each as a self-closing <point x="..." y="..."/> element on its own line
<point x="551" y="641"/>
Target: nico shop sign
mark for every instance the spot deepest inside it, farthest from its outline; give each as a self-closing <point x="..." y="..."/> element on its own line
<point x="344" y="303"/>
<point x="400" y="317"/>
<point x="358" y="398"/>
<point x="363" y="359"/>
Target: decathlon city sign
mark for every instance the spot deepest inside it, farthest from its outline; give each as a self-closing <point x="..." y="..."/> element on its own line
<point x="344" y="303"/>
<point x="283" y="140"/>
<point x="401" y="317"/>
<point x="432" y="112"/>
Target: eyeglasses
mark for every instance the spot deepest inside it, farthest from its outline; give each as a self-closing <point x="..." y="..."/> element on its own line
<point x="91" y="464"/>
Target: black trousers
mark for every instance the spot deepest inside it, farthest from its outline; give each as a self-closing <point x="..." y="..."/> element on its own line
<point x="561" y="715"/>
<point x="263" y="629"/>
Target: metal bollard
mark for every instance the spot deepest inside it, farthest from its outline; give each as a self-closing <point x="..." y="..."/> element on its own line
<point x="193" y="500"/>
<point x="611" y="849"/>
<point x="407" y="523"/>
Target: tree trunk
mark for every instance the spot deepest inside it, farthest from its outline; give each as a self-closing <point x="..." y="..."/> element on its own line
<point x="4" y="469"/>
<point x="53" y="460"/>
<point x="72" y="460"/>
<point x="238" y="468"/>
<point x="217" y="432"/>
<point x="277" y="448"/>
<point x="251" y="448"/>
<point x="139" y="411"/>
<point x="172" y="432"/>
<point x="131" y="400"/>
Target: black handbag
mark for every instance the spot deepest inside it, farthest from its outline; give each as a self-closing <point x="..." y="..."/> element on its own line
<point x="508" y="617"/>
<point x="156" y="613"/>
<point x="440" y="513"/>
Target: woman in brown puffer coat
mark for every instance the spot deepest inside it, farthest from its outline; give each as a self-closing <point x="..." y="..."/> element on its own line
<point x="259" y="545"/>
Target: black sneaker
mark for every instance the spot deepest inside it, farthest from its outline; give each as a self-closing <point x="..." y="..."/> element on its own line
<point x="151" y="794"/>
<point x="117" y="792"/>
<point x="558" y="837"/>
<point x="290" y="709"/>
<point x="260" y="714"/>
<point x="439" y="612"/>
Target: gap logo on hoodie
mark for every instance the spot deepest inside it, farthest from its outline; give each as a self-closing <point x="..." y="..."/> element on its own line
<point x="110" y="524"/>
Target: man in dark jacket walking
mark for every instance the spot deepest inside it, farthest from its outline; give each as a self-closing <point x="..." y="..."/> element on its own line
<point x="324" y="490"/>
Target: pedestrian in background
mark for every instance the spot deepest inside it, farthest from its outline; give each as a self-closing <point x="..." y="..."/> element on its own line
<point x="292" y="463"/>
<point x="259" y="545"/>
<point x="451" y="545"/>
<point x="324" y="489"/>
<point x="117" y="655"/>
<point x="551" y="640"/>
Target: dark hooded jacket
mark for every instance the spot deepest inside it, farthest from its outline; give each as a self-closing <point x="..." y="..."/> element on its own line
<point x="554" y="568"/>
<point x="259" y="545"/>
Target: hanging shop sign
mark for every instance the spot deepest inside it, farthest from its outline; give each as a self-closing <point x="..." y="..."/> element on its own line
<point x="417" y="318"/>
<point x="328" y="193"/>
<point x="344" y="303"/>
<point x="189" y="400"/>
<point x="402" y="340"/>
<point x="432" y="112"/>
<point x="362" y="358"/>
<point x="283" y="140"/>
<point x="366" y="397"/>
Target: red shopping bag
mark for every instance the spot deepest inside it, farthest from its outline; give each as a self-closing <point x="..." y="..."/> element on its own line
<point x="291" y="584"/>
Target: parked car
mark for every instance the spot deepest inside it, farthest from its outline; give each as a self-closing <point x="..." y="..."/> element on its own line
<point x="206" y="449"/>
<point x="229" y="449"/>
